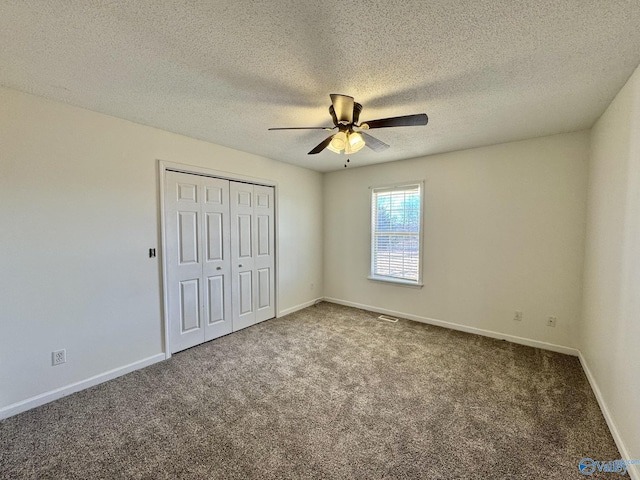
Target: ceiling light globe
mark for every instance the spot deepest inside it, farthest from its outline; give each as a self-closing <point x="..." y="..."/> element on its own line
<point x="356" y="142"/>
<point x="338" y="142"/>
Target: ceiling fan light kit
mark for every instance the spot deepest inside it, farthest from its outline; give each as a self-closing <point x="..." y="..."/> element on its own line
<point x="345" y="113"/>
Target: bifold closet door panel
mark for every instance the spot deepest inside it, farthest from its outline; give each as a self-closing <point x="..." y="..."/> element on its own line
<point x="264" y="258"/>
<point x="216" y="265"/>
<point x="183" y="233"/>
<point x="242" y="255"/>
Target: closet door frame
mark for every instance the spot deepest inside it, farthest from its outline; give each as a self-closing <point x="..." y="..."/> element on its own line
<point x="163" y="167"/>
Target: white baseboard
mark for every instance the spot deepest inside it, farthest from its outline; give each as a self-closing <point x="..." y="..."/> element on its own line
<point x="463" y="328"/>
<point x="287" y="311"/>
<point x="634" y="470"/>
<point x="47" y="397"/>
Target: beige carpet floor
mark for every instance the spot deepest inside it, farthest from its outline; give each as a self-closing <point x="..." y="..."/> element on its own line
<point x="325" y="393"/>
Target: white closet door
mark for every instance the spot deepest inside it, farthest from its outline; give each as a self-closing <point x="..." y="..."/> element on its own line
<point x="216" y="265"/>
<point x="264" y="258"/>
<point x="198" y="259"/>
<point x="242" y="255"/>
<point x="183" y="220"/>
<point x="219" y="257"/>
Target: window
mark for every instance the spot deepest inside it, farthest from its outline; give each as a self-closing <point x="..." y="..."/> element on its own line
<point x="396" y="219"/>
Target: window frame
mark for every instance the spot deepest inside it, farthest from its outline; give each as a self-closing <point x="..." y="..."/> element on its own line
<point x="372" y="231"/>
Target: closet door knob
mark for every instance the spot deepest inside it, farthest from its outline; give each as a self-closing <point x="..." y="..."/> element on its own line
<point x="240" y="266"/>
<point x="218" y="268"/>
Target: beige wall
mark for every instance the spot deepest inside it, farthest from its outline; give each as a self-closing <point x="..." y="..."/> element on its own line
<point x="610" y="326"/>
<point x="79" y="211"/>
<point x="503" y="231"/>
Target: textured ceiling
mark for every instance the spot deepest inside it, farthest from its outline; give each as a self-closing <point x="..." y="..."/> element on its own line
<point x="485" y="71"/>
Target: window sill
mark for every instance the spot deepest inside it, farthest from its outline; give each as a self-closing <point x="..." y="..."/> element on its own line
<point x="396" y="281"/>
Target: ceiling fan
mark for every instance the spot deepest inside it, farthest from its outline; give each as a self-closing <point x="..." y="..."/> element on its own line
<point x="345" y="113"/>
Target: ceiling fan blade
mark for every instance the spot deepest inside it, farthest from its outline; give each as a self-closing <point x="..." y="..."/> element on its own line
<point x="322" y="145"/>
<point x="404" y="121"/>
<point x="343" y="107"/>
<point x="302" y="128"/>
<point x="373" y="143"/>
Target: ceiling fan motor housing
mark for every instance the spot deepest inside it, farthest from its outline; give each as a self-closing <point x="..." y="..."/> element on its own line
<point x="357" y="108"/>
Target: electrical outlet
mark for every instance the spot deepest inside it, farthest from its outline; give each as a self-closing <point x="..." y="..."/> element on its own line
<point x="58" y="357"/>
<point x="551" y="321"/>
<point x="518" y="316"/>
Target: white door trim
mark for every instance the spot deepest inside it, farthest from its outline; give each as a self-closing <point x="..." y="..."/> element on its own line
<point x="163" y="166"/>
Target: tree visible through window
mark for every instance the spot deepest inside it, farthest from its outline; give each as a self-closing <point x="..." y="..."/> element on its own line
<point x="395" y="232"/>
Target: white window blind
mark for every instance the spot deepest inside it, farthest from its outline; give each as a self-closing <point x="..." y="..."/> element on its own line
<point x="395" y="232"/>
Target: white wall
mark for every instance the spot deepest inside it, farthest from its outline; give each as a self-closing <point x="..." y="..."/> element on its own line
<point x="78" y="213"/>
<point x="504" y="231"/>
<point x="611" y="310"/>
